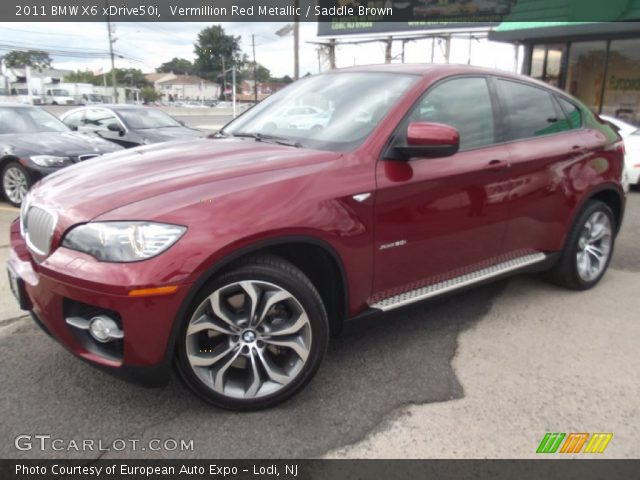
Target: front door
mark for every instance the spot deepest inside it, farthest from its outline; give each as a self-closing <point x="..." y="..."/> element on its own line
<point x="439" y="218"/>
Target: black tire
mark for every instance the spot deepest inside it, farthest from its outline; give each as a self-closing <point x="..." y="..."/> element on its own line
<point x="565" y="272"/>
<point x="279" y="272"/>
<point x="13" y="166"/>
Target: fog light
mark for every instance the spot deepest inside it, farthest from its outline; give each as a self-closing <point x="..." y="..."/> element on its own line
<point x="104" y="329"/>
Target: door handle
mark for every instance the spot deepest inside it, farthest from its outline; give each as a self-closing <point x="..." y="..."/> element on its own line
<point x="496" y="164"/>
<point x="577" y="149"/>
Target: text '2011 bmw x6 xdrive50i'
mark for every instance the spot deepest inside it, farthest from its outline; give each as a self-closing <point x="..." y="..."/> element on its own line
<point x="239" y="261"/>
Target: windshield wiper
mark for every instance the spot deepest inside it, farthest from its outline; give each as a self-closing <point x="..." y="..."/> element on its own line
<point x="261" y="137"/>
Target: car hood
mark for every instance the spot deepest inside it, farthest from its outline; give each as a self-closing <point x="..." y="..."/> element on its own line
<point x="85" y="191"/>
<point x="171" y="133"/>
<point x="66" y="144"/>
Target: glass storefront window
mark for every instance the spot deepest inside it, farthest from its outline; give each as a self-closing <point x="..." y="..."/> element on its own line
<point x="622" y="89"/>
<point x="546" y="63"/>
<point x="554" y="63"/>
<point x="537" y="62"/>
<point x="586" y="72"/>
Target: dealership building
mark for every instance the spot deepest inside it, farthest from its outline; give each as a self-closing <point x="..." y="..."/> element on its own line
<point x="597" y="62"/>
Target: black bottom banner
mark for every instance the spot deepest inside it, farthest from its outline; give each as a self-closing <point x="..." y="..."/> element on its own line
<point x="319" y="469"/>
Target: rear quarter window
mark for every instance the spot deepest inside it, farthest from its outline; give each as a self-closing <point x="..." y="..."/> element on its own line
<point x="529" y="111"/>
<point x="572" y="113"/>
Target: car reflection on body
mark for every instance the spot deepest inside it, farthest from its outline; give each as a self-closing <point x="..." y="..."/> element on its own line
<point x="128" y="125"/>
<point x="287" y="117"/>
<point x="34" y="143"/>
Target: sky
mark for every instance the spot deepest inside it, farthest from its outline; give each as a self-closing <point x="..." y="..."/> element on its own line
<point x="147" y="45"/>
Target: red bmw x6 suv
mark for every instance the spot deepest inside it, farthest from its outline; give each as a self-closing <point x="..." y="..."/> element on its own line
<point x="235" y="258"/>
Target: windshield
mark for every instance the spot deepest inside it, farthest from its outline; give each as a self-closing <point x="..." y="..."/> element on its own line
<point x="142" y="118"/>
<point x="28" y="120"/>
<point x="334" y="111"/>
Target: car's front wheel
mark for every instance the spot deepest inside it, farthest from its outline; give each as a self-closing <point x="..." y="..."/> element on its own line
<point x="16" y="182"/>
<point x="254" y="337"/>
<point x="588" y="249"/>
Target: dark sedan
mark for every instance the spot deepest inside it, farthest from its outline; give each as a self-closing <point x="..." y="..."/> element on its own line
<point x="128" y="125"/>
<point x="34" y="143"/>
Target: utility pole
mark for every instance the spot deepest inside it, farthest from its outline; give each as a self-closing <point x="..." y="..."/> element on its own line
<point x="113" y="62"/>
<point x="332" y="54"/>
<point x="233" y="89"/>
<point x="387" y="50"/>
<point x="296" y="43"/>
<point x="224" y="80"/>
<point x="255" y="74"/>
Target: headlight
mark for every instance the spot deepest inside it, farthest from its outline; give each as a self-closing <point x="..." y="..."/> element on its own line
<point x="123" y="241"/>
<point x="50" y="160"/>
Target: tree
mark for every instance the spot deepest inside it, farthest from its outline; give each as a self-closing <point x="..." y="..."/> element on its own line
<point x="285" y="79"/>
<point x="149" y="94"/>
<point x="126" y="77"/>
<point x="262" y="73"/>
<point x="179" y="66"/>
<point x="213" y="48"/>
<point x="83" y="77"/>
<point x="36" y="59"/>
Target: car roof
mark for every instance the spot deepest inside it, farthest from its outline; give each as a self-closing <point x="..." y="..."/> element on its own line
<point x="443" y="70"/>
<point x="113" y="106"/>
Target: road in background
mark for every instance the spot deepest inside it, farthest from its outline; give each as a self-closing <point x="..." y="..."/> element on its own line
<point x="483" y="373"/>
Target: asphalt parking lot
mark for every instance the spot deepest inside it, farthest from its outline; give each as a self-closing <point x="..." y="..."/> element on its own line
<point x="480" y="374"/>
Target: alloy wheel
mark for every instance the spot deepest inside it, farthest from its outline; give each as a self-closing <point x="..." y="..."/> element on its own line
<point x="248" y="339"/>
<point x="15" y="184"/>
<point x="594" y="246"/>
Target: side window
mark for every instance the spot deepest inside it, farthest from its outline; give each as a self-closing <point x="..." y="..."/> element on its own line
<point x="99" y="119"/>
<point x="530" y="111"/>
<point x="574" y="117"/>
<point x="463" y="103"/>
<point x="74" y="120"/>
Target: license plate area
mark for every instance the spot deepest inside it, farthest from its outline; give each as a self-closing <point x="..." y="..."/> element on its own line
<point x="18" y="289"/>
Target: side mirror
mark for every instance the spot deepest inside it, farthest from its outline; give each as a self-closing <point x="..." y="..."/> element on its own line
<point x="426" y="139"/>
<point x="115" y="127"/>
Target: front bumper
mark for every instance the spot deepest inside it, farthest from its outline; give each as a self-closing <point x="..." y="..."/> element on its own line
<point x="148" y="322"/>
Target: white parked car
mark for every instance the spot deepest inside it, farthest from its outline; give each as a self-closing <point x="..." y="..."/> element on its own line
<point x="631" y="136"/>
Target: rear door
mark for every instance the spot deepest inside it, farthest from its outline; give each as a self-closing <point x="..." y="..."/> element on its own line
<point x="545" y="141"/>
<point x="438" y="218"/>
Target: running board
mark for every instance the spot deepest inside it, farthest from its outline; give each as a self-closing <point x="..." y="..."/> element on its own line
<point x="436" y="289"/>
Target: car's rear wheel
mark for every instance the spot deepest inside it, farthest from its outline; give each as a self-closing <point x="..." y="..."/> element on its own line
<point x="16" y="182"/>
<point x="588" y="250"/>
<point x="254" y="336"/>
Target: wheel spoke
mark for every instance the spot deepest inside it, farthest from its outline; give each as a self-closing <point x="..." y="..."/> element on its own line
<point x="252" y="294"/>
<point x="272" y="370"/>
<point x="218" y="309"/>
<point x="218" y="377"/>
<point x="294" y="343"/>
<point x="256" y="381"/>
<point x="596" y="252"/>
<point x="206" y="322"/>
<point x="295" y="327"/>
<point x="598" y="231"/>
<point x="207" y="359"/>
